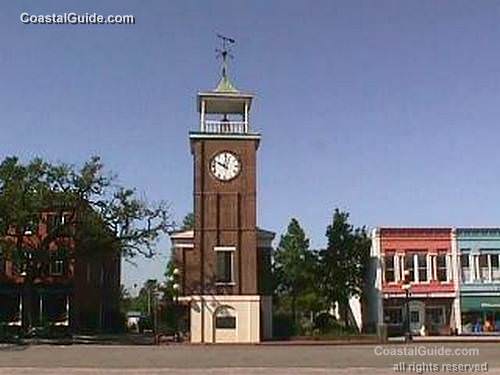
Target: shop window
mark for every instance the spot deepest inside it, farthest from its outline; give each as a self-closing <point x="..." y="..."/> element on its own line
<point x="55" y="308"/>
<point x="422" y="267"/>
<point x="481" y="321"/>
<point x="490" y="322"/>
<point x="441" y="270"/>
<point x="225" y="260"/>
<point x="472" y="322"/>
<point x="465" y="267"/>
<point x="435" y="315"/>
<point x="393" y="316"/>
<point x="9" y="311"/>
<point x="389" y="268"/>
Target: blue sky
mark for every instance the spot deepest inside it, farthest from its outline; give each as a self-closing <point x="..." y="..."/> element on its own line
<point x="388" y="109"/>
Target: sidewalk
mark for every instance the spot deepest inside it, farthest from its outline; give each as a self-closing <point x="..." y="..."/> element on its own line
<point x="79" y="339"/>
<point x="141" y="340"/>
<point x="464" y="338"/>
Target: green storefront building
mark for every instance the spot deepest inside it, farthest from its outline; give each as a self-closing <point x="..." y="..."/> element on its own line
<point x="479" y="254"/>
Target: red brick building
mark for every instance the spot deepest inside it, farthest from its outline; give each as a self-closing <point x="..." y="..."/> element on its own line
<point x="68" y="289"/>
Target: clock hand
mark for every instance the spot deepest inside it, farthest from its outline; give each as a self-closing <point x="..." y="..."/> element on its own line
<point x="222" y="164"/>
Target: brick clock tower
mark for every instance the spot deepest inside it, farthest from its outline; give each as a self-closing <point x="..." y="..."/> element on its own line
<point x="224" y="262"/>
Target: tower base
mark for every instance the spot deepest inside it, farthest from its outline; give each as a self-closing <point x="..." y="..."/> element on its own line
<point x="230" y="318"/>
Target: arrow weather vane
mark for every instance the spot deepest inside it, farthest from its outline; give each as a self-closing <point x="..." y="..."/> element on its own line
<point x="225" y="52"/>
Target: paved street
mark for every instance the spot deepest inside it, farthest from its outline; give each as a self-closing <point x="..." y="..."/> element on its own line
<point x="237" y="359"/>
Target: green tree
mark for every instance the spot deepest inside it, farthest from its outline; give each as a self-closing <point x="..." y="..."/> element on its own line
<point x="125" y="300"/>
<point x="171" y="278"/>
<point x="343" y="264"/>
<point x="145" y="301"/>
<point x="93" y="212"/>
<point x="292" y="267"/>
<point x="188" y="222"/>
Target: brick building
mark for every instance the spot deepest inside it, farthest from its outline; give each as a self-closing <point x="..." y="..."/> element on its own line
<point x="68" y="289"/>
<point x="426" y="258"/>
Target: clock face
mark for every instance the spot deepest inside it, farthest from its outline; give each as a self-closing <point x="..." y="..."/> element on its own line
<point x="225" y="166"/>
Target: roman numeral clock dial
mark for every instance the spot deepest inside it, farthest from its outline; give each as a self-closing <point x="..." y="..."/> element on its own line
<point x="225" y="166"/>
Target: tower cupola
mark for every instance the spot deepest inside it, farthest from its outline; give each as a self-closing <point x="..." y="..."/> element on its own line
<point x="224" y="110"/>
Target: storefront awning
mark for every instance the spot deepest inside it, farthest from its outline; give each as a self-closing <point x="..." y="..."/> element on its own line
<point x="480" y="303"/>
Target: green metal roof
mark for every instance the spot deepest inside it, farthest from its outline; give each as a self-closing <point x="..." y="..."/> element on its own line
<point x="225" y="85"/>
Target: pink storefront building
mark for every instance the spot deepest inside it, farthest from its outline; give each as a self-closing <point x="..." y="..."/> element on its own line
<point x="422" y="258"/>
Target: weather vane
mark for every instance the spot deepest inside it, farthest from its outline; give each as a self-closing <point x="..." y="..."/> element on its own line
<point x="225" y="52"/>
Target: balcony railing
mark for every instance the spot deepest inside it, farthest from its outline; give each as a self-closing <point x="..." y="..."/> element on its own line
<point x="224" y="127"/>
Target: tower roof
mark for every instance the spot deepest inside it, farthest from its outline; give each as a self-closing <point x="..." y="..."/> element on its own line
<point x="225" y="98"/>
<point x="225" y="85"/>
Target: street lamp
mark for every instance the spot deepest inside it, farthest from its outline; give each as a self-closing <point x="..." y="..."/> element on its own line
<point x="157" y="294"/>
<point x="406" y="286"/>
<point x="176" y="287"/>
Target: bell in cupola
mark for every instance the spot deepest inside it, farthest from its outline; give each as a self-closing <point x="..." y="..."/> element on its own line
<point x="225" y="124"/>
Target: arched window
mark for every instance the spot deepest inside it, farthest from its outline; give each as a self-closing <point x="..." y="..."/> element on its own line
<point x="225" y="318"/>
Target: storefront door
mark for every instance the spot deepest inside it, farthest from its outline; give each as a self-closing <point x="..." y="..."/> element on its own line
<point x="417" y="316"/>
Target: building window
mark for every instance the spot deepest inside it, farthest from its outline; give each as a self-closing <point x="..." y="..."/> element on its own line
<point x="89" y="270"/>
<point x="441" y="269"/>
<point x="66" y="219"/>
<point x="32" y="227"/>
<point x="53" y="221"/>
<point x="57" y="262"/>
<point x="483" y="267"/>
<point x="410" y="266"/>
<point x="393" y="316"/>
<point x="400" y="268"/>
<point x="422" y="267"/>
<point x="389" y="268"/>
<point x="224" y="266"/>
<point x="102" y="275"/>
<point x="2" y="261"/>
<point x="495" y="267"/>
<point x="465" y="267"/>
<point x="20" y="262"/>
<point x="67" y="228"/>
<point x="56" y="267"/>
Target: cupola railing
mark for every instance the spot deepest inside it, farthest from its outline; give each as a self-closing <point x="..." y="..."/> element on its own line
<point x="224" y="127"/>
